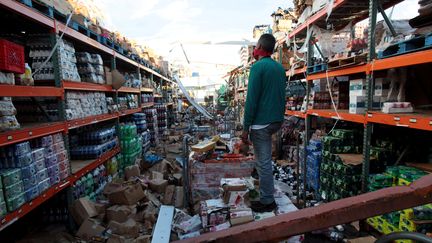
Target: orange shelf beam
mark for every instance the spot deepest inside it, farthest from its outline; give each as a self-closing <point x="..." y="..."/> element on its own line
<point x="344" y="115"/>
<point x="128" y="112"/>
<point x="297" y="71"/>
<point x="129" y="90"/>
<point x="299" y="114"/>
<point x="404" y="60"/>
<point x="339" y="72"/>
<point x="30" y="91"/>
<point x="106" y="156"/>
<point x="146" y="105"/>
<point x="68" y="85"/>
<point x="148" y="90"/>
<point x="89" y="120"/>
<point x="321" y="13"/>
<point x="412" y="120"/>
<point x="32" y="131"/>
<point x="29" y="206"/>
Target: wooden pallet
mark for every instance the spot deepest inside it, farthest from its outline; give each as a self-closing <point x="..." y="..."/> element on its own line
<point x="403" y="47"/>
<point x="349" y="61"/>
<point x="86" y="31"/>
<point x="45" y="9"/>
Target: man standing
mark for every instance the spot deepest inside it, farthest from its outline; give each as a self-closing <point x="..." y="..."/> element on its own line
<point x="264" y="114"/>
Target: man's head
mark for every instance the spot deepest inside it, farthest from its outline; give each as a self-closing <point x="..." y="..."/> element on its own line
<point x="267" y="43"/>
<point x="265" y="46"/>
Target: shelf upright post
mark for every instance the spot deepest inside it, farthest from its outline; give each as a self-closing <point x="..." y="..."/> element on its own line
<point x="373" y="7"/>
<point x="139" y="77"/>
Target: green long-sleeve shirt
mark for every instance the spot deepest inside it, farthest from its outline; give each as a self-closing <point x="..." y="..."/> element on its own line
<point x="265" y="100"/>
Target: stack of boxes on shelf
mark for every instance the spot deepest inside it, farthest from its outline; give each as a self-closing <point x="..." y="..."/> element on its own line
<point x="295" y="93"/>
<point x="91" y="184"/>
<point x="90" y="67"/>
<point x="84" y="104"/>
<point x="131" y="144"/>
<point x="341" y="156"/>
<point x="40" y="48"/>
<point x="92" y="144"/>
<point x="320" y="95"/>
<point x="418" y="219"/>
<point x="146" y="98"/>
<point x="358" y="96"/>
<point x="152" y="124"/>
<point x="130" y="101"/>
<point x="8" y="111"/>
<point x="140" y="121"/>
<point x="162" y="117"/>
<point x="27" y="171"/>
<point x="313" y="162"/>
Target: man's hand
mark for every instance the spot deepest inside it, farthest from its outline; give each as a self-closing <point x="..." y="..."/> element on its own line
<point x="245" y="137"/>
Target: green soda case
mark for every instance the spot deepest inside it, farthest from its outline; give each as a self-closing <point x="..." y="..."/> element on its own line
<point x="381" y="180"/>
<point x="347" y="135"/>
<point x="423" y="212"/>
<point x="2" y="199"/>
<point x="10" y="176"/>
<point x="382" y="155"/>
<point x="15" y="202"/>
<point x="14" y="190"/>
<point x="393" y="217"/>
<point x="3" y="209"/>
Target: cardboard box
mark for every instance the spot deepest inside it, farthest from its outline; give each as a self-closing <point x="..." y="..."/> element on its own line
<point x="83" y="209"/>
<point x="108" y="75"/>
<point x="179" y="197"/>
<point x="132" y="171"/>
<point x="129" y="229"/>
<point x="120" y="213"/>
<point x="233" y="184"/>
<point x="178" y="179"/>
<point x="157" y="175"/>
<point x="90" y="228"/>
<point x="241" y="216"/>
<point x="125" y="195"/>
<point x="367" y="239"/>
<point x="117" y="239"/>
<point x="143" y="239"/>
<point x="100" y="207"/>
<point x="158" y="185"/>
<point x="357" y="87"/>
<point x="169" y="195"/>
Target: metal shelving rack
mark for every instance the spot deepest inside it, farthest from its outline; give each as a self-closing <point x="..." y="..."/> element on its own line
<point x="31" y="131"/>
<point x="343" y="12"/>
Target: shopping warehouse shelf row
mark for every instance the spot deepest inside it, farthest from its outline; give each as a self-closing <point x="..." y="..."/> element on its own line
<point x="10" y="218"/>
<point x="51" y="23"/>
<point x="421" y="121"/>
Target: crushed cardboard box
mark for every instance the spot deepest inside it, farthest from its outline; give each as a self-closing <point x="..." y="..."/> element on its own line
<point x="120" y="213"/>
<point x="157" y="175"/>
<point x="132" y="171"/>
<point x="90" y="228"/>
<point x="129" y="229"/>
<point x="143" y="239"/>
<point x="169" y="195"/>
<point x="125" y="194"/>
<point x="241" y="216"/>
<point x="158" y="185"/>
<point x="83" y="209"/>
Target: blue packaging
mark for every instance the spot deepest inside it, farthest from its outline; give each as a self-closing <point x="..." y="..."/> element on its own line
<point x="10" y="176"/>
<point x="47" y="141"/>
<point x="28" y="171"/>
<point x="51" y="160"/>
<point x="40" y="164"/>
<point x="58" y="137"/>
<point x="14" y="190"/>
<point x="23" y="160"/>
<point x="61" y="156"/>
<point x="30" y="182"/>
<point x="55" y="179"/>
<point x="15" y="202"/>
<point x="22" y="148"/>
<point x="42" y="175"/>
<point x="49" y="150"/>
<point x="44" y="185"/>
<point x="38" y="154"/>
<point x="31" y="193"/>
<point x="54" y="170"/>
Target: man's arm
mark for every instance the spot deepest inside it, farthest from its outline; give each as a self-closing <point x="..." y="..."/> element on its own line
<point x="252" y="97"/>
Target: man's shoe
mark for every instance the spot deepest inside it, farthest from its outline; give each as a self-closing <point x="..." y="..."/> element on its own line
<point x="254" y="174"/>
<point x="258" y="207"/>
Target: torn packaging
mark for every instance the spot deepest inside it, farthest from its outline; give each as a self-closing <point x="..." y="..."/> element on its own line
<point x="169" y="194"/>
<point x="158" y="185"/>
<point x="157" y="175"/>
<point x="241" y="216"/>
<point x="120" y="213"/>
<point x="132" y="171"/>
<point x="83" y="209"/>
<point x="125" y="195"/>
<point x="128" y="229"/>
<point x="90" y="228"/>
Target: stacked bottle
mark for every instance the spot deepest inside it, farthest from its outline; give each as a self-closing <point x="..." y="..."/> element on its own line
<point x="91" y="184"/>
<point x="152" y="124"/>
<point x="131" y="144"/>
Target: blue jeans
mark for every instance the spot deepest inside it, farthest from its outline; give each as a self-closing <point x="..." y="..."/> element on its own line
<point x="262" y="143"/>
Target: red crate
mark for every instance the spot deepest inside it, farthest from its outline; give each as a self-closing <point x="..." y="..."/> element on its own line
<point x="11" y="57"/>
